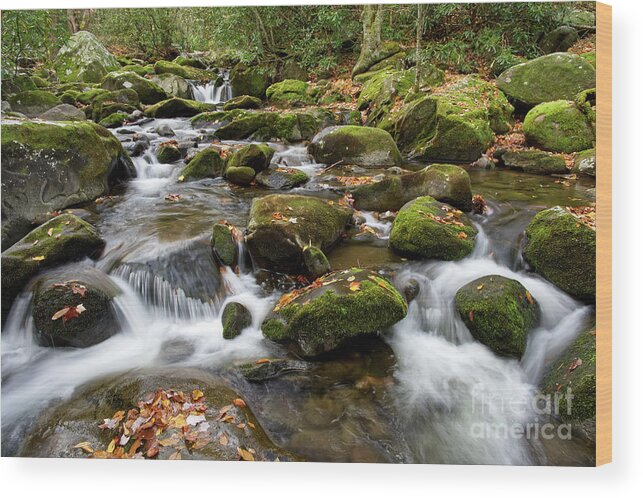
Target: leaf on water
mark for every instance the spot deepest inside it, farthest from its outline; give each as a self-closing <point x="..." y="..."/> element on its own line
<point x="245" y="455"/>
<point x="181" y="178"/>
<point x="173" y="197"/>
<point x="85" y="446"/>
<point x="354" y="286"/>
<point x="239" y="403"/>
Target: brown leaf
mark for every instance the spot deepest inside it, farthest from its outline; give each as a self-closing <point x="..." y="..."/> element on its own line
<point x="471" y="316"/>
<point x="239" y="403"/>
<point x="245" y="455"/>
<point x="85" y="446"/>
<point x="223" y="440"/>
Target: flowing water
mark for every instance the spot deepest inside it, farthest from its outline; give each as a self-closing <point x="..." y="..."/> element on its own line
<point x="213" y="92"/>
<point x="430" y="389"/>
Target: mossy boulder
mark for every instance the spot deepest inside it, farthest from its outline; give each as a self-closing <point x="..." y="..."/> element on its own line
<point x="426" y="228"/>
<point x="337" y="308"/>
<point x="563" y="250"/>
<point x="276" y="243"/>
<point x="114" y="120"/>
<point x="148" y="91"/>
<point x="240" y="175"/>
<point x="187" y="72"/>
<point x="369" y="58"/>
<point x="585" y="163"/>
<point x="225" y="243"/>
<point x="235" y="318"/>
<point x="359" y="145"/>
<point x="288" y="93"/>
<point x="255" y="156"/>
<point x="250" y="80"/>
<point x="168" y="152"/>
<point x="242" y="102"/>
<point x="499" y="312"/>
<point x="32" y="103"/>
<point x="50" y="166"/>
<point x="88" y="96"/>
<point x="63" y="112"/>
<point x="173" y="85"/>
<point x="575" y="370"/>
<point x="124" y="100"/>
<point x="557" y="76"/>
<point x="177" y="108"/>
<point x="138" y="69"/>
<point x="183" y="60"/>
<point x="504" y="62"/>
<point x="315" y="262"/>
<point x="559" y="39"/>
<point x="207" y="163"/>
<point x="96" y="320"/>
<point x="60" y="240"/>
<point x="84" y="58"/>
<point x="444" y="182"/>
<point x="280" y="178"/>
<point x="535" y="162"/>
<point x="17" y="84"/>
<point x="558" y="126"/>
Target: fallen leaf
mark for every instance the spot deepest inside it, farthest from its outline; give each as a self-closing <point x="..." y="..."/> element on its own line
<point x="245" y="455"/>
<point x="530" y="299"/>
<point x="354" y="286"/>
<point x="262" y="361"/>
<point x="471" y="316"/>
<point x="112" y="445"/>
<point x="239" y="403"/>
<point x="37" y="258"/>
<point x="50" y="232"/>
<point x="480" y="287"/>
<point x="462" y="235"/>
<point x="85" y="446"/>
<point x="223" y="440"/>
<point x="197" y="395"/>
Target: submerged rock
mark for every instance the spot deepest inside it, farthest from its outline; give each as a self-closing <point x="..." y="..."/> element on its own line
<point x="280" y="226"/>
<point x="84" y="58"/>
<point x="33" y="103"/>
<point x="426" y="228"/>
<point x="207" y="163"/>
<point x="271" y="369"/>
<point x="563" y="250"/>
<point x="359" y="145"/>
<point x="558" y="76"/>
<point x="535" y="162"/>
<point x="444" y="182"/>
<point x="148" y="91"/>
<point x="60" y="240"/>
<point x="499" y="312"/>
<point x="177" y="108"/>
<point x="235" y="318"/>
<point x="91" y="317"/>
<point x="336" y="308"/>
<point x="558" y="126"/>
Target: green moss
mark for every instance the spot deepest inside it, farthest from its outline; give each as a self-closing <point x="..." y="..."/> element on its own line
<point x="187" y="72"/>
<point x="240" y="175"/>
<point x="135" y="68"/>
<point x="586" y="102"/>
<point x="251" y="80"/>
<point x="70" y="97"/>
<point x="89" y="96"/>
<point x="224" y="244"/>
<point x="315" y="261"/>
<point x="189" y="61"/>
<point x="84" y="58"/>
<point x="235" y="318"/>
<point x="563" y="250"/>
<point x="114" y="120"/>
<point x="148" y="91"/>
<point x="242" y="102"/>
<point x="207" y="163"/>
<point x="289" y="93"/>
<point x="558" y="126"/>
<point x="535" y="162"/>
<point x="168" y="153"/>
<point x="590" y="57"/>
<point x="255" y="156"/>
<point x="281" y="178"/>
<point x="33" y="102"/>
<point x="176" y="107"/>
<point x="499" y="312"/>
<point x="17" y="84"/>
<point x="323" y="318"/>
<point x="416" y="234"/>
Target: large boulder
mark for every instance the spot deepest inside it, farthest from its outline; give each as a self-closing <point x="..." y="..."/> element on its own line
<point x="444" y="182"/>
<point x="84" y="58"/>
<point x="288" y="93"/>
<point x="148" y="91"/>
<point x="499" y="312"/>
<point x="50" y="166"/>
<point x="558" y="126"/>
<point x="225" y="243"/>
<point x="250" y="80"/>
<point x="280" y="226"/>
<point x="124" y="100"/>
<point x="177" y="108"/>
<point x="242" y="102"/>
<point x="562" y="248"/>
<point x="255" y="156"/>
<point x="207" y="163"/>
<point x="187" y="72"/>
<point x="17" y="83"/>
<point x="585" y="163"/>
<point x="173" y="85"/>
<point x="557" y="76"/>
<point x="333" y="310"/>
<point x="535" y="162"/>
<point x="62" y="239"/>
<point x="90" y="316"/>
<point x="359" y="145"/>
<point x="63" y="112"/>
<point x="32" y="103"/>
<point x="280" y="178"/>
<point x="235" y="318"/>
<point x="426" y="228"/>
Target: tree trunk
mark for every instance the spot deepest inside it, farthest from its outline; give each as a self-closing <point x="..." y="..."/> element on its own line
<point x="418" y="41"/>
<point x="372" y="16"/>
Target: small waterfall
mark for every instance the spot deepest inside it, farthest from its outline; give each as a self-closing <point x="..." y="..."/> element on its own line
<point x="213" y="94"/>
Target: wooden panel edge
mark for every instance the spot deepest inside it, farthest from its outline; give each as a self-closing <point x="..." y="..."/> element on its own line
<point x="603" y="234"/>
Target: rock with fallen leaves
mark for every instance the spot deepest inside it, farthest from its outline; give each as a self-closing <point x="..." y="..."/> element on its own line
<point x="225" y="242"/>
<point x="281" y="225"/>
<point x="427" y="229"/>
<point x="334" y="310"/>
<point x="281" y="178"/>
<point x="560" y="244"/>
<point x="62" y="239"/>
<point x="499" y="312"/>
<point x="576" y="370"/>
<point x="444" y="182"/>
<point x="185" y="414"/>
<point x="74" y="309"/>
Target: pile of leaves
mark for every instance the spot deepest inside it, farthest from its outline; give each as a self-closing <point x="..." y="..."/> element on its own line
<point x="166" y="419"/>
<point x="452" y="217"/>
<point x="353" y="181"/>
<point x="479" y="204"/>
<point x="585" y="215"/>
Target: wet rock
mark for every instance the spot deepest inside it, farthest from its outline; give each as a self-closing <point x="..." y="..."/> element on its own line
<point x="87" y="290"/>
<point x="255" y="156"/>
<point x="499" y="312"/>
<point x="289" y="93"/>
<point x="426" y="228"/>
<point x="339" y="307"/>
<point x="411" y="289"/>
<point x="33" y="103"/>
<point x="167" y="153"/>
<point x="242" y="102"/>
<point x="164" y="130"/>
<point x="124" y="100"/>
<point x="358" y="145"/>
<point x="235" y="318"/>
<point x="585" y="163"/>
<point x="207" y="163"/>
<point x="178" y="108"/>
<point x="225" y="243"/>
<point x="271" y="369"/>
<point x="276" y="244"/>
<point x="60" y="240"/>
<point x="563" y="250"/>
<point x="535" y="162"/>
<point x="63" y="112"/>
<point x="281" y="178"/>
<point x="240" y="175"/>
<point x="113" y="120"/>
<point x="84" y="58"/>
<point x="444" y="182"/>
<point x="558" y="126"/>
<point x="558" y="76"/>
<point x="173" y="85"/>
<point x="148" y="91"/>
<point x="176" y="350"/>
<point x="315" y="262"/>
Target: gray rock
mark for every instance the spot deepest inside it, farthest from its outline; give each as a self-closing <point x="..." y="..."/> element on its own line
<point x="63" y="112"/>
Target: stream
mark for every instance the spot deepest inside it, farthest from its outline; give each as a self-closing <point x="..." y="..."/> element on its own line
<point x="414" y="398"/>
